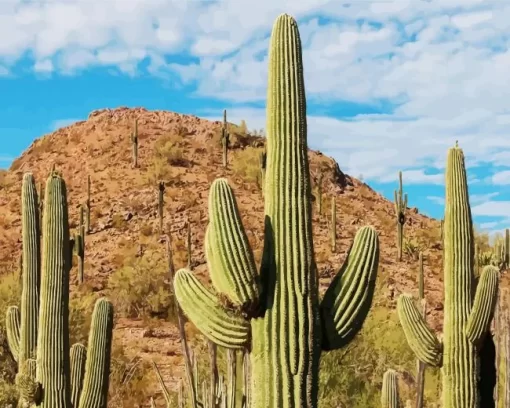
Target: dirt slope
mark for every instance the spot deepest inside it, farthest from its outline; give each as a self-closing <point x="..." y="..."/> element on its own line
<point x="124" y="201"/>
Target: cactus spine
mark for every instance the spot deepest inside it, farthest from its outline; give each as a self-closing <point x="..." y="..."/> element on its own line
<point x="389" y="394"/>
<point x="276" y="314"/>
<point x="134" y="143"/>
<point x="161" y="202"/>
<point x="225" y="138"/>
<point x="400" y="211"/>
<point x="466" y="318"/>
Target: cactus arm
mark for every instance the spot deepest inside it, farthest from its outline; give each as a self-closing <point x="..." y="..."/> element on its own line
<point x="389" y="391"/>
<point x="97" y="368"/>
<point x="78" y="359"/>
<point x="12" y="327"/>
<point x="348" y="298"/>
<point x="420" y="338"/>
<point x="483" y="306"/>
<point x="230" y="258"/>
<point x="30" y="391"/>
<point x="220" y="325"/>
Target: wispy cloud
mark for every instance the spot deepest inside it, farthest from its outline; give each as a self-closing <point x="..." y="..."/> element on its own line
<point x="436" y="199"/>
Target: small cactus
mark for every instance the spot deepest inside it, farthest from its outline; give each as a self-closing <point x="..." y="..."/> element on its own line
<point x="400" y="212"/>
<point x="134" y="143"/>
<point x="389" y="392"/>
<point x="225" y="139"/>
<point x="161" y="202"/>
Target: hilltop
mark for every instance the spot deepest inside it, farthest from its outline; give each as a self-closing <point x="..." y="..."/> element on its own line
<point x="184" y="152"/>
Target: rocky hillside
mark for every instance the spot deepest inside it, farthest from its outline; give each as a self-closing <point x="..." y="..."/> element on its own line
<point x="184" y="152"/>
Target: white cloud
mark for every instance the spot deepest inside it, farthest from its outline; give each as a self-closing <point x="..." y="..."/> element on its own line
<point x="501" y="178"/>
<point x="492" y="209"/>
<point x="481" y="198"/>
<point x="448" y="83"/>
<point x="436" y="199"/>
<point x="488" y="225"/>
<point x="43" y="66"/>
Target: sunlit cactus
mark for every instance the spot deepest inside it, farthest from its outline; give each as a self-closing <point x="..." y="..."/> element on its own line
<point x="466" y="317"/>
<point x="389" y="392"/>
<point x="275" y="314"/>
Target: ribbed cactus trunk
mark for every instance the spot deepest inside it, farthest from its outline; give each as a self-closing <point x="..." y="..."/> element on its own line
<point x="275" y="314"/>
<point x="466" y="317"/>
<point x="460" y="359"/>
<point x="31" y="270"/>
<point x="286" y="342"/>
<point x="53" y="369"/>
<point x="389" y="391"/>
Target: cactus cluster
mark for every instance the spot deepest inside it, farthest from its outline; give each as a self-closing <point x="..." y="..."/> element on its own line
<point x="466" y="317"/>
<point x="50" y="373"/>
<point x="275" y="315"/>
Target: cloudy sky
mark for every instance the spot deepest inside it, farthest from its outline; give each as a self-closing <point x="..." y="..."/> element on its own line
<point x="390" y="84"/>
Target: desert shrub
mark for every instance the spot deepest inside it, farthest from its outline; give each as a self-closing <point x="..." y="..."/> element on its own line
<point x="245" y="164"/>
<point x="81" y="306"/>
<point x="139" y="287"/>
<point x="352" y="376"/>
<point x="130" y="380"/>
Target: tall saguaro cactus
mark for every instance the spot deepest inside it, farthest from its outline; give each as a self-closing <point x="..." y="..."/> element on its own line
<point x="275" y="315"/>
<point x="420" y="369"/>
<point x="40" y="338"/>
<point x="400" y="212"/>
<point x="466" y="317"/>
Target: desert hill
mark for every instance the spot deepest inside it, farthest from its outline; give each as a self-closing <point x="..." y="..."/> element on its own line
<point x="125" y="251"/>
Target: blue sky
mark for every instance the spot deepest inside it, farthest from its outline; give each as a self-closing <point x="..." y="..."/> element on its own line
<point x="390" y="84"/>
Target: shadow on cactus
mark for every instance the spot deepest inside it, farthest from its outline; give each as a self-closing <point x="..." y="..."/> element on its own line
<point x="275" y="314"/>
<point x="50" y="374"/>
<point x="467" y="314"/>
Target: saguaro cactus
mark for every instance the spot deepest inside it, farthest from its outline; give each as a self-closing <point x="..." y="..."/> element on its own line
<point x="225" y="139"/>
<point x="466" y="318"/>
<point x="420" y="369"/>
<point x="88" y="206"/>
<point x="400" y="212"/>
<point x="79" y="246"/>
<point x="161" y="202"/>
<point x="320" y="179"/>
<point x="333" y="224"/>
<point x="275" y="315"/>
<point x="44" y="377"/>
<point x="134" y="143"/>
<point x="389" y="392"/>
<point x="262" y="164"/>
